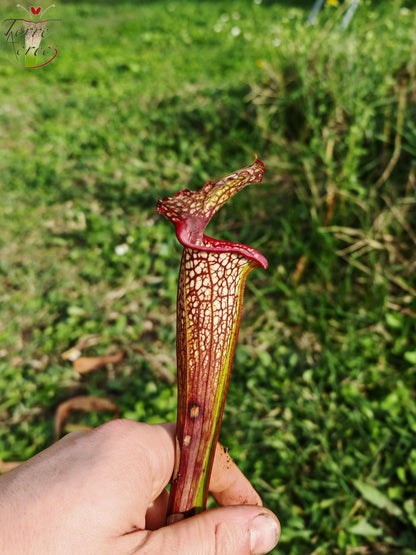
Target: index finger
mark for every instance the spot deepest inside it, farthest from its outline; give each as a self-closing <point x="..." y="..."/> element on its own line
<point x="228" y="485"/>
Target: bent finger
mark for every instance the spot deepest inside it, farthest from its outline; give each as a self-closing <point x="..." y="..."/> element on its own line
<point x="228" y="485"/>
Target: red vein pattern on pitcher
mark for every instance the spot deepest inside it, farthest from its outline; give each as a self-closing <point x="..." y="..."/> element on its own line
<point x="210" y="298"/>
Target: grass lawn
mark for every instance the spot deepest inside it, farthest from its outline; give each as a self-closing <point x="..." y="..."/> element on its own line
<point x="147" y="98"/>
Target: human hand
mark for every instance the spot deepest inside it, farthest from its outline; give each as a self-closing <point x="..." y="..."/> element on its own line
<point x="103" y="492"/>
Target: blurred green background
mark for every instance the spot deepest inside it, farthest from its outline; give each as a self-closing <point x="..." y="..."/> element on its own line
<point x="147" y="98"/>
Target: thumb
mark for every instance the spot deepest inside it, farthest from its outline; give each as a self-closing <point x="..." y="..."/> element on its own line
<point x="233" y="530"/>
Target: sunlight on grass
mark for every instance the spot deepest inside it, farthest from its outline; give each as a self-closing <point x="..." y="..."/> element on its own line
<point x="144" y="98"/>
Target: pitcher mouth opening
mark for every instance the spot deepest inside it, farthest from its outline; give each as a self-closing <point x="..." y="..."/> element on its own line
<point x="191" y="211"/>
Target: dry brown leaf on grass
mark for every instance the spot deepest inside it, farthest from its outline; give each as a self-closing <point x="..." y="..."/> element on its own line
<point x="83" y="365"/>
<point x="84" y="403"/>
<point x="84" y="342"/>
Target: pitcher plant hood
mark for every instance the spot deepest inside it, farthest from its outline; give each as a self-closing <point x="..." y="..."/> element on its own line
<point x="191" y="211"/>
